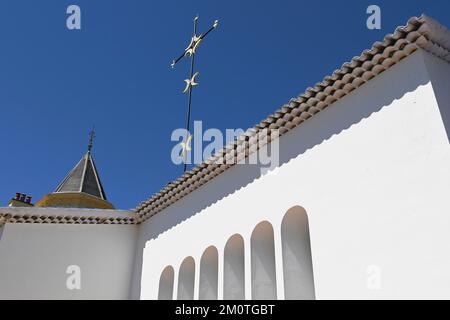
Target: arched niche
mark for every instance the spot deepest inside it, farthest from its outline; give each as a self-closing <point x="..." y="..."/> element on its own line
<point x="263" y="263"/>
<point x="186" y="279"/>
<point x="234" y="269"/>
<point x="166" y="284"/>
<point x="297" y="260"/>
<point x="209" y="267"/>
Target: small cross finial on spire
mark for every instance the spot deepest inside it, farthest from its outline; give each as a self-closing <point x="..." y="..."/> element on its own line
<point x="91" y="139"/>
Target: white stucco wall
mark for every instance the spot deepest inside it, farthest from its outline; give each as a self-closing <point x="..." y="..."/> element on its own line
<point x="34" y="260"/>
<point x="372" y="172"/>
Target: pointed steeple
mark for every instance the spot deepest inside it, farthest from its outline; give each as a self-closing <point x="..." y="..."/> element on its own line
<point x="81" y="188"/>
<point x="84" y="177"/>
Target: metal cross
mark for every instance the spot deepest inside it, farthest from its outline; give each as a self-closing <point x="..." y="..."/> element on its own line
<point x="191" y="82"/>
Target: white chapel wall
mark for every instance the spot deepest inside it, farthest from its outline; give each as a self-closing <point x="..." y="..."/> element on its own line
<point x="34" y="259"/>
<point x="371" y="172"/>
<point x="440" y="78"/>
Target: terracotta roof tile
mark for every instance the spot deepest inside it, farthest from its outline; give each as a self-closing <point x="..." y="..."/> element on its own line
<point x="66" y="216"/>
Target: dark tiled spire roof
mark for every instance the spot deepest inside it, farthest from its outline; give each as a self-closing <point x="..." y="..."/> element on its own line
<point x="83" y="178"/>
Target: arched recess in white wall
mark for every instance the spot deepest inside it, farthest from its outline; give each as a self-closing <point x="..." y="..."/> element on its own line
<point x="297" y="260"/>
<point x="186" y="279"/>
<point x="209" y="267"/>
<point x="166" y="284"/>
<point x="234" y="269"/>
<point x="263" y="263"/>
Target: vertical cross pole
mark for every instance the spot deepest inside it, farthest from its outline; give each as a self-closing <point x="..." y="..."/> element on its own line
<point x="191" y="74"/>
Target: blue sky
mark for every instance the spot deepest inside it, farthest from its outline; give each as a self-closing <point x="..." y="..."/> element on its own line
<point x="114" y="73"/>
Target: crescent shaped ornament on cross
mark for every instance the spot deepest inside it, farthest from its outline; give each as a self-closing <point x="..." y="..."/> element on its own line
<point x="191" y="82"/>
<point x="193" y="45"/>
<point x="186" y="146"/>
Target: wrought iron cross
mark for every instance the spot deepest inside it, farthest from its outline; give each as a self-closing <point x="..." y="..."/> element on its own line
<point x="190" y="52"/>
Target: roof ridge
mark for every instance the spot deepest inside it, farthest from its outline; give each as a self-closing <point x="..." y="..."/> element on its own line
<point x="67" y="217"/>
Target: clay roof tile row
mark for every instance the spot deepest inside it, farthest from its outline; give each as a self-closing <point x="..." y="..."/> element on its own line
<point x="64" y="219"/>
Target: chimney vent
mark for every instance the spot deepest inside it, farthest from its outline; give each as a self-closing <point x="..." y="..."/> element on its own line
<point x="21" y="200"/>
